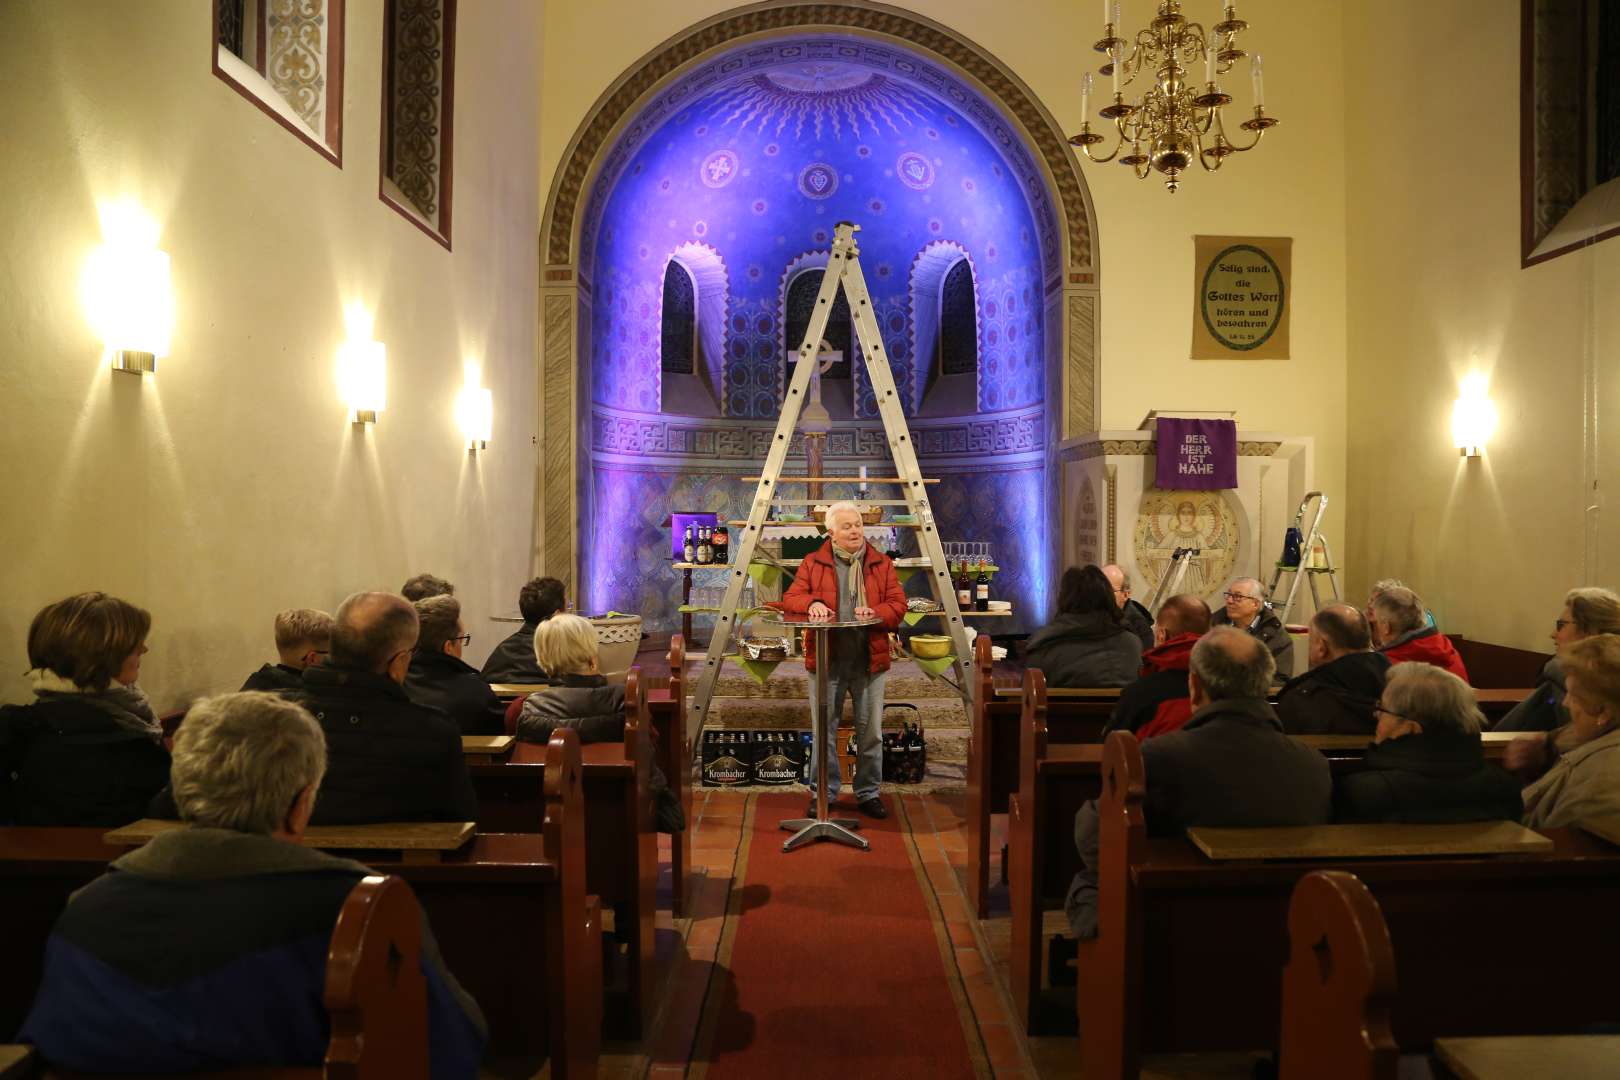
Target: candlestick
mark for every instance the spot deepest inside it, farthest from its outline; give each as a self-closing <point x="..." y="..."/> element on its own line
<point x="1257" y="77"/>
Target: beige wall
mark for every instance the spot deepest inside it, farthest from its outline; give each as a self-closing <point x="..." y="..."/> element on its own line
<point x="1435" y="291"/>
<point x="230" y="485"/>
<point x="1292" y="186"/>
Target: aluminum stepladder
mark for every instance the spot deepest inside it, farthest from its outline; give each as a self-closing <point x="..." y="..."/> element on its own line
<point x="1303" y="568"/>
<point x="1174" y="575"/>
<point x="843" y="271"/>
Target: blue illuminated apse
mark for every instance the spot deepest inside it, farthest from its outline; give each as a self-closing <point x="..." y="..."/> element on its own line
<point x="720" y="196"/>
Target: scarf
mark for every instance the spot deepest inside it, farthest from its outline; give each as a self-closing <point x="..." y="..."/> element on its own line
<point x="854" y="560"/>
<point x="127" y="705"/>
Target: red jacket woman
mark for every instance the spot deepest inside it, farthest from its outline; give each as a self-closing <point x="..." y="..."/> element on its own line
<point x="817" y="582"/>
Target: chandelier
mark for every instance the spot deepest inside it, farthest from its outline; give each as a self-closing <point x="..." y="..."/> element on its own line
<point x="1175" y="121"/>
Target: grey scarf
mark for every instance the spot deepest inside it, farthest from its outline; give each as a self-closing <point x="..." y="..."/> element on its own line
<point x="855" y="563"/>
<point x="127" y="705"/>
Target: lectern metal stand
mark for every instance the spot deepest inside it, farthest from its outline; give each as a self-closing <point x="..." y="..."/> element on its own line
<point x="808" y="830"/>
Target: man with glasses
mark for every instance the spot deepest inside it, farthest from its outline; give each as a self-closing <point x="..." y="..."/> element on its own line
<point x="439" y="677"/>
<point x="303" y="639"/>
<point x="1137" y="618"/>
<point x="1246" y="609"/>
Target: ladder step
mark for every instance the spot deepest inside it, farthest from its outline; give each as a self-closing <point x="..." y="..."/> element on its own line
<point x="833" y="480"/>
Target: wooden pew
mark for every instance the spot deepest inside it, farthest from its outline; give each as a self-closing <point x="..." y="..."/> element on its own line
<point x="993" y="753"/>
<point x="621" y="860"/>
<point x="484" y="749"/>
<point x="1189" y="951"/>
<point x="666" y="705"/>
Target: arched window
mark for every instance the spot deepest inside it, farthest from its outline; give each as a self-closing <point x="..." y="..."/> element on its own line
<point x="678" y="352"/>
<point x="801" y="304"/>
<point x="957" y="352"/>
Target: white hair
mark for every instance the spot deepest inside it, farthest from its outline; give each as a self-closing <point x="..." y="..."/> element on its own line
<point x="845" y="506"/>
<point x="241" y="759"/>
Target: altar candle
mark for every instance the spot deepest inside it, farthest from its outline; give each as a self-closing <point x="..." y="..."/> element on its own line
<point x="1257" y="77"/>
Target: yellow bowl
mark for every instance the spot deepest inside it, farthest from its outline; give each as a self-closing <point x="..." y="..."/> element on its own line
<point x="930" y="646"/>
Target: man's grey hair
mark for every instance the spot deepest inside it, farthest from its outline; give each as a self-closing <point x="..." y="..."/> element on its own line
<point x="370" y="629"/>
<point x="1232" y="663"/>
<point x="1595" y="610"/>
<point x="439" y="620"/>
<point x="841" y="507"/>
<point x="241" y="759"/>
<point x="1260" y="589"/>
<point x="1432" y="698"/>
<point x="1382" y="586"/>
<point x="1400" y="609"/>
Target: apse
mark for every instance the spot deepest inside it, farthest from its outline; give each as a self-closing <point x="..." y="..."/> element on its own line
<point x="703" y="241"/>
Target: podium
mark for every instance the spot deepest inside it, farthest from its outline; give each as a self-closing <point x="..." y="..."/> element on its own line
<point x="1113" y="512"/>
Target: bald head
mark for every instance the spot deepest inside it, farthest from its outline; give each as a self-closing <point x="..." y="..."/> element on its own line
<point x="371" y="631"/>
<point x="1182" y="614"/>
<point x="1229" y="663"/>
<point x="1338" y="630"/>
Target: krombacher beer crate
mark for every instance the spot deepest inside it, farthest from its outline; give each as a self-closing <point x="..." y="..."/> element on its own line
<point x="728" y="759"/>
<point x="778" y="758"/>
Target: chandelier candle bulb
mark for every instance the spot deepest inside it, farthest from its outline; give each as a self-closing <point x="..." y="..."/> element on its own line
<point x="1085" y="96"/>
<point x="1257" y="77"/>
<point x="1209" y="63"/>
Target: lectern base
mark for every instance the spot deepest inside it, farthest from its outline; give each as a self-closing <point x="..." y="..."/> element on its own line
<point x="809" y="830"/>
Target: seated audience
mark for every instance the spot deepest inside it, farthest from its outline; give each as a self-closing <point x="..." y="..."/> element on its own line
<point x="1586" y="612"/>
<point x="1246" y="608"/>
<point x="513" y="659"/>
<point x="1337" y="695"/>
<point x="303" y="638"/>
<point x="441" y="678"/>
<point x="1426" y="765"/>
<point x="1402" y="632"/>
<point x="88" y="750"/>
<point x="423" y="586"/>
<point x="1088" y="644"/>
<point x="1157" y="701"/>
<point x="1383" y="585"/>
<point x="1231" y="765"/>
<point x="579" y="697"/>
<point x="1138" y="620"/>
<point x="1584" y="780"/>
<point x="207" y="948"/>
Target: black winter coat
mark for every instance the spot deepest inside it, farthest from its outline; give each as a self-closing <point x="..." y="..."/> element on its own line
<point x="455" y="687"/>
<point x="1544" y="709"/>
<point x="1427" y="779"/>
<point x="66" y="762"/>
<point x="387" y="758"/>
<point x="1336" y="698"/>
<point x="1085" y="650"/>
<point x="513" y="659"/>
<point x="276" y="679"/>
<point x="1270" y="630"/>
<point x="1139" y="622"/>
<point x="586" y="703"/>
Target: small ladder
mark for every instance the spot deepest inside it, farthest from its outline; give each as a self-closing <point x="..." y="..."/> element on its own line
<point x="1174" y="575"/>
<point x="843" y="272"/>
<point x="1301" y="568"/>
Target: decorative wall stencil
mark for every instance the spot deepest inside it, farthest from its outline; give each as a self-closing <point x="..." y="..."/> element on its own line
<point x="297" y="57"/>
<point x="1205" y="520"/>
<point x="915" y="171"/>
<point x="828" y="97"/>
<point x="416" y="102"/>
<point x="720" y="168"/>
<point x="818" y="181"/>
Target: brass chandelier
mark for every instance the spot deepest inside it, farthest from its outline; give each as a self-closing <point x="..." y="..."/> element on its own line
<point x="1175" y="121"/>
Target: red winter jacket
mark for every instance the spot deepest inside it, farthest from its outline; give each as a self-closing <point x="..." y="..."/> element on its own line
<point x="1157" y="702"/>
<point x="1429" y="646"/>
<point x="817" y="579"/>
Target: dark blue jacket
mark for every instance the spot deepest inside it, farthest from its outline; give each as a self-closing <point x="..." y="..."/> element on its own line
<point x="206" y="949"/>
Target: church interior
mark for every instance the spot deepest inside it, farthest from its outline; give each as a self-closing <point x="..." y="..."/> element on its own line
<point x="308" y="298"/>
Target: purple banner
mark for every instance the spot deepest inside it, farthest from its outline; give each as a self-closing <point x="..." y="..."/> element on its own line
<point x="1196" y="455"/>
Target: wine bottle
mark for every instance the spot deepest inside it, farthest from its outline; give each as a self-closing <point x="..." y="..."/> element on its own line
<point x="964" y="587"/>
<point x="689" y="546"/>
<point x="981" y="589"/>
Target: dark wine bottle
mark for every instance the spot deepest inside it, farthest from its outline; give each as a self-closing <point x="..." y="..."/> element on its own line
<point x="981" y="589"/>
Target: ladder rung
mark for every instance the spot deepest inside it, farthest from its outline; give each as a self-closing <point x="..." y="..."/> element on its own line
<point x="817" y="524"/>
<point x="833" y="480"/>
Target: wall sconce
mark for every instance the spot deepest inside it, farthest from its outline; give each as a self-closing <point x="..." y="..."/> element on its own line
<point x="126" y="289"/>
<point x="475" y="411"/>
<point x="363" y="379"/>
<point x="1473" y="417"/>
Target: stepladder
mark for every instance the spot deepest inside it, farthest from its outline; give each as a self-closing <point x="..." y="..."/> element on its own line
<point x="843" y="273"/>
<point x="1305" y="558"/>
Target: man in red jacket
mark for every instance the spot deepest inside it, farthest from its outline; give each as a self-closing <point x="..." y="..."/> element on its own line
<point x="1157" y="702"/>
<point x="847" y="578"/>
<point x="1401" y="630"/>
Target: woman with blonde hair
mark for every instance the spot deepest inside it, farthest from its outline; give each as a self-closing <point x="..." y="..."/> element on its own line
<point x="88" y="750"/>
<point x="1587" y="612"/>
<point x="1585" y="780"/>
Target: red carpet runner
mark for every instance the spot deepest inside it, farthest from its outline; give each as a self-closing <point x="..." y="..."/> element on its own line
<point x="833" y="962"/>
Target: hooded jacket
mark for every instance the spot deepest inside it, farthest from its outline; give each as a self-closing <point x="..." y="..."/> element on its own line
<point x="1429" y="646"/>
<point x="206" y="949"/>
<point x="64" y="761"/>
<point x="1269" y="629"/>
<point x="275" y="679"/>
<point x="454" y="687"/>
<point x="1088" y="649"/>
<point x="1429" y="780"/>
<point x="1157" y="701"/>
<point x="817" y="579"/>
<point x="1336" y="698"/>
<point x="1544" y="709"/>
<point x="513" y="660"/>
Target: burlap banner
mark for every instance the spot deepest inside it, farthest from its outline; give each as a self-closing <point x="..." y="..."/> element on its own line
<point x="1242" y="293"/>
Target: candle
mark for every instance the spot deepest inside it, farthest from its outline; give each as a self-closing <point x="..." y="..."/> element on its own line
<point x="1108" y="8"/>
<point x="863" y="472"/>
<point x="1209" y="61"/>
<point x="1117" y="66"/>
<point x="1257" y="77"/>
<point x="1116" y="17"/>
<point x="1085" y="96"/>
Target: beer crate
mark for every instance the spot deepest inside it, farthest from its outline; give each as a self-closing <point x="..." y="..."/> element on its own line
<point x="728" y="759"/>
<point x="778" y="758"/>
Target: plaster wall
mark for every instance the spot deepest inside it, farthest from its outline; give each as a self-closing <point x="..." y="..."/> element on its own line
<point x="231" y="485"/>
<point x="1436" y="291"/>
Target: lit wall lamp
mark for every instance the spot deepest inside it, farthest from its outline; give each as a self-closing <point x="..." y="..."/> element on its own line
<point x="363" y="379"/>
<point x="475" y="411"/>
<point x="126" y="289"/>
<point x="1473" y="417"/>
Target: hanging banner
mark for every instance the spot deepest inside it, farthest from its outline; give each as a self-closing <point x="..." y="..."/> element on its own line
<point x="1195" y="455"/>
<point x="1242" y="292"/>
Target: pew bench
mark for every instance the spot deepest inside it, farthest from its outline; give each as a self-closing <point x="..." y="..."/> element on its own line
<point x="486" y="748"/>
<point x="408" y="842"/>
<point x="666" y="709"/>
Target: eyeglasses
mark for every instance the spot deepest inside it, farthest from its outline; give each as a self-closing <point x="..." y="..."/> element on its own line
<point x="1379" y="708"/>
<point x="1234" y="597"/>
<point x="465" y="639"/>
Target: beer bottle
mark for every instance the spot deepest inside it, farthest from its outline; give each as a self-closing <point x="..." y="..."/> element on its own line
<point x="689" y="547"/>
<point x="705" y="553"/>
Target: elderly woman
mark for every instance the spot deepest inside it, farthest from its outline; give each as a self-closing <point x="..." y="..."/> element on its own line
<point x="211" y="940"/>
<point x="1088" y="644"/>
<point x="847" y="578"/>
<point x="1586" y="612"/>
<point x="1584" y="781"/>
<point x="88" y="750"/>
<point x="1426" y="765"/>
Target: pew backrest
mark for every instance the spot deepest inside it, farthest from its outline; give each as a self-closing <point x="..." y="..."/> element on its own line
<point x="375" y="992"/>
